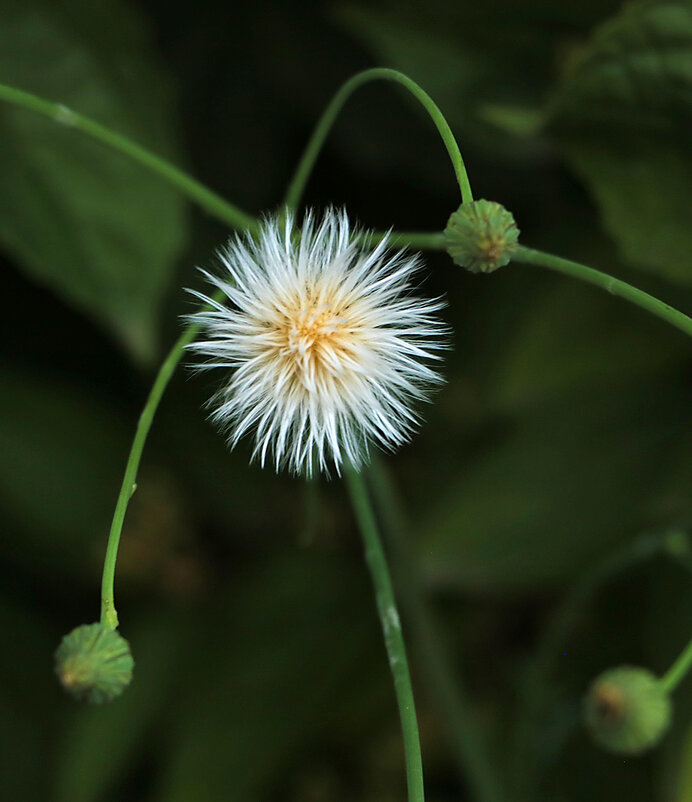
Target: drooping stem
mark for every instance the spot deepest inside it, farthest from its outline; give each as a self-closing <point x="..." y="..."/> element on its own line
<point x="391" y="627"/>
<point x="109" y="615"/>
<point x="214" y="204"/>
<point x="324" y="125"/>
<point x="612" y="285"/>
<point x="676" y="673"/>
<point x="444" y="684"/>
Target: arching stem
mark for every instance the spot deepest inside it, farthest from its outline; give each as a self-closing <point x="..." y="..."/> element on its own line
<point x="109" y="615"/>
<point x="326" y="121"/>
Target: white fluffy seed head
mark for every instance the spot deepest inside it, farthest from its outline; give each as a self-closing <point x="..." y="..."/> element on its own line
<point x="325" y="347"/>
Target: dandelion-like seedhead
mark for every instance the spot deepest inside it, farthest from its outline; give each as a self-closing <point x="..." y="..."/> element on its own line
<point x="325" y="346"/>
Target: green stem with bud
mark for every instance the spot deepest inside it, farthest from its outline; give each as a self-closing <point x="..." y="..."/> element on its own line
<point x="329" y="115"/>
<point x="676" y="673"/>
<point x="532" y="710"/>
<point x="214" y="205"/>
<point x="391" y="627"/>
<point x="612" y="285"/>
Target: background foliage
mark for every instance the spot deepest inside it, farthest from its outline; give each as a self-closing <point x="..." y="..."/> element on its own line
<point x="562" y="438"/>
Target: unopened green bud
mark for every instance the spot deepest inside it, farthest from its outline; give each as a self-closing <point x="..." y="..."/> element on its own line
<point x="627" y="710"/>
<point x="481" y="236"/>
<point x="94" y="663"/>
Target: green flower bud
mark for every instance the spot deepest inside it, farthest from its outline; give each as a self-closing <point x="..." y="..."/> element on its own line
<point x="627" y="710"/>
<point x="481" y="236"/>
<point x="94" y="663"/>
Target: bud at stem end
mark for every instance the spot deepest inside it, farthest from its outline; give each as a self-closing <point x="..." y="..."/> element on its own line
<point x="627" y="710"/>
<point x="94" y="663"/>
<point x="481" y="236"/>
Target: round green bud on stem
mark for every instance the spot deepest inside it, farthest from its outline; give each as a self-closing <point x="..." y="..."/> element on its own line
<point x="481" y="236"/>
<point x="627" y="710"/>
<point x="94" y="663"/>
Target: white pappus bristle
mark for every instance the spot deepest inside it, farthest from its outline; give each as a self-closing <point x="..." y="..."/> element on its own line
<point x="325" y="348"/>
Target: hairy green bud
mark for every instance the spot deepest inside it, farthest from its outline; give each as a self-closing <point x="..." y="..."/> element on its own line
<point x="627" y="710"/>
<point x="481" y="236"/>
<point x="94" y="663"/>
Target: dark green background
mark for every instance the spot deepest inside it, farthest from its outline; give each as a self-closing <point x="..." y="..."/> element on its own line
<point x="561" y="436"/>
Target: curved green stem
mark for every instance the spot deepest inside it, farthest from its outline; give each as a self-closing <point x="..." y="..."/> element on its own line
<point x="391" y="627"/>
<point x="307" y="161"/>
<point x="676" y="673"/>
<point x="444" y="684"/>
<point x="208" y="200"/>
<point x="109" y="615"/>
<point x="216" y="206"/>
<point x="612" y="285"/>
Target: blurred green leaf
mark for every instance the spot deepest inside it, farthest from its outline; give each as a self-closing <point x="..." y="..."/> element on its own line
<point x="95" y="227"/>
<point x="521" y="121"/>
<point x="60" y="462"/>
<point x="567" y="481"/>
<point x="283" y="656"/>
<point x="623" y="115"/>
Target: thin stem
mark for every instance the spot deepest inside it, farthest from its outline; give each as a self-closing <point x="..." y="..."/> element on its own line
<point x="443" y="681"/>
<point x="391" y="627"/>
<point x="307" y="161"/>
<point x="109" y="615"/>
<point x="208" y="200"/>
<point x="216" y="206"/>
<point x="608" y="283"/>
<point x="676" y="673"/>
